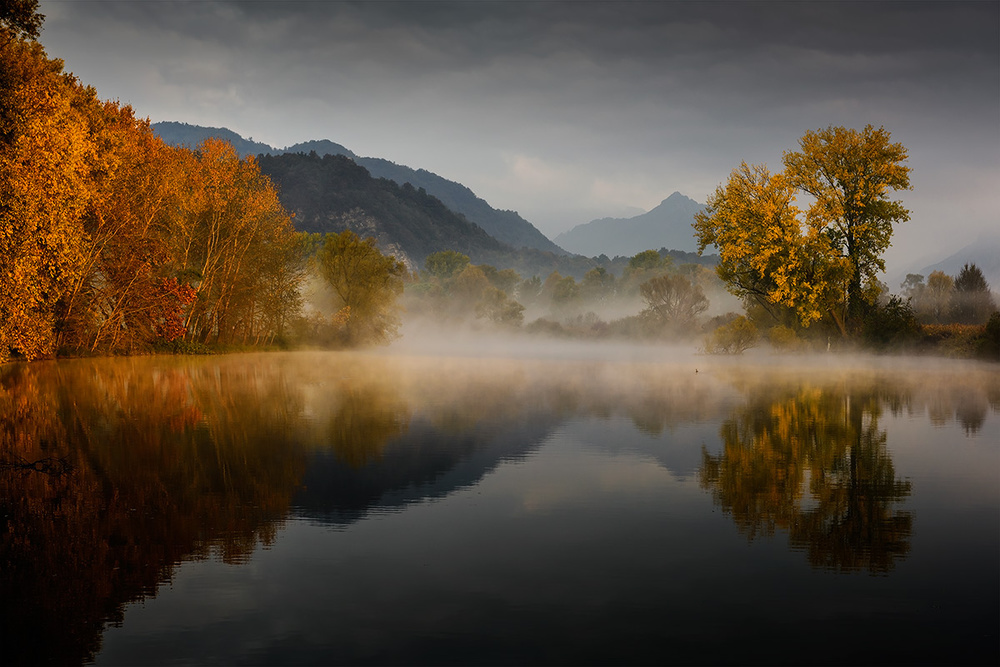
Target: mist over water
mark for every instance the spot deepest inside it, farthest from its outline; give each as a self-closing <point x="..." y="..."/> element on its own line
<point x="495" y="500"/>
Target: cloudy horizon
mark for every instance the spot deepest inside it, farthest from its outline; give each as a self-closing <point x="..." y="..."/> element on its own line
<point x="569" y="111"/>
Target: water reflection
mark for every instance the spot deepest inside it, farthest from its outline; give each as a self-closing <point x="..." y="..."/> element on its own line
<point x="812" y="461"/>
<point x="163" y="463"/>
<point x="112" y="472"/>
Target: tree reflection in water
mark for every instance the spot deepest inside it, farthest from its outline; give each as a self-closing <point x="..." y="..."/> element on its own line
<point x="162" y="463"/>
<point x="812" y="461"/>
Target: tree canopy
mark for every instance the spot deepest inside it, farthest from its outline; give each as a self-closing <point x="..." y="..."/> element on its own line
<point x="766" y="256"/>
<point x="673" y="300"/>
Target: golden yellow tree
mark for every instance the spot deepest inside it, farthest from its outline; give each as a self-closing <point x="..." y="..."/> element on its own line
<point x="767" y="255"/>
<point x="849" y="174"/>
<point x="828" y="261"/>
<point x="126" y="295"/>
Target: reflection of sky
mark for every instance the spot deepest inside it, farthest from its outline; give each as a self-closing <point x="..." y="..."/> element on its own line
<point x="592" y="546"/>
<point x="944" y="460"/>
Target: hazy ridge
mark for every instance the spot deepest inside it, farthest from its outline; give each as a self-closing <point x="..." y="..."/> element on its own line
<point x="984" y="253"/>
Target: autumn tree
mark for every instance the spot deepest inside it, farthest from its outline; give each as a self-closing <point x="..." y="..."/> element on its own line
<point x="127" y="296"/>
<point x="766" y="256"/>
<point x="827" y="261"/>
<point x="850" y="174"/>
<point x="496" y="306"/>
<point x="367" y="284"/>
<point x="445" y="264"/>
<point x="235" y="242"/>
<point x="734" y="337"/>
<point x="111" y="241"/>
<point x="505" y="280"/>
<point x="19" y="19"/>
<point x="640" y="268"/>
<point x="45" y="147"/>
<point x="466" y="286"/>
<point x="560" y="291"/>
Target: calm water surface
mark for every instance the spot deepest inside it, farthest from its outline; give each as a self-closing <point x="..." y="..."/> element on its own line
<point x="318" y="508"/>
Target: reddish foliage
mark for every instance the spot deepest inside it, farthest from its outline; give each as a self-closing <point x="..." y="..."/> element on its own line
<point x="174" y="298"/>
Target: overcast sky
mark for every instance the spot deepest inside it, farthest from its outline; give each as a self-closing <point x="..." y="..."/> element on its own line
<point x="567" y="111"/>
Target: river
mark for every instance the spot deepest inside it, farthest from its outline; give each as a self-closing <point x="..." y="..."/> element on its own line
<point x="381" y="507"/>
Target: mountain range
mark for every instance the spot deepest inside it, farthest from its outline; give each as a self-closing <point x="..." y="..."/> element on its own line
<point x="505" y="226"/>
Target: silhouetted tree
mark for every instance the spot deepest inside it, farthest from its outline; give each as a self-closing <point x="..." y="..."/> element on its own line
<point x="971" y="301"/>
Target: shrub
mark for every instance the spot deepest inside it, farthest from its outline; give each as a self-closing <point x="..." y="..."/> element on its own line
<point x="989" y="343"/>
<point x="952" y="340"/>
<point x="733" y="338"/>
<point x="784" y="338"/>
<point x="892" y="324"/>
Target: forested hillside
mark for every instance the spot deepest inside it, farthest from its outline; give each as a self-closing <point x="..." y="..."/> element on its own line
<point x="332" y="194"/>
<point x="506" y="226"/>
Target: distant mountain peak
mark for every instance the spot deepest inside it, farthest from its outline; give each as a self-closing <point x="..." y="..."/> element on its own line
<point x="666" y="226"/>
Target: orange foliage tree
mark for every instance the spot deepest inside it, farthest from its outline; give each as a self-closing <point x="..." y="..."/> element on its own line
<point x="44" y="186"/>
<point x="111" y="241"/>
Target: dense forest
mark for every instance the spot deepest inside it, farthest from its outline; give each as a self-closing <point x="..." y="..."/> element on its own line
<point x="333" y="193"/>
